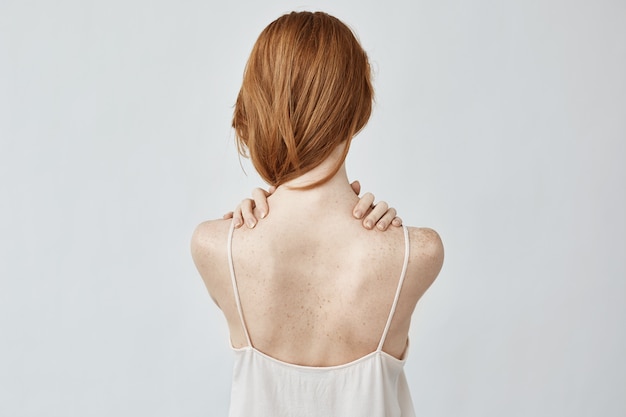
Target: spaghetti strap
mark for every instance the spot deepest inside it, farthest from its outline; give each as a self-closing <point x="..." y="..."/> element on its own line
<point x="397" y="296"/>
<point x="234" y="280"/>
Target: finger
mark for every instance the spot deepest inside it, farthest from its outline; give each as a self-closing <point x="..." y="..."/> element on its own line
<point x="271" y="190"/>
<point x="228" y="215"/>
<point x="236" y="215"/>
<point x="376" y="213"/>
<point x="356" y="187"/>
<point x="384" y="222"/>
<point x="246" y="212"/>
<point x="397" y="221"/>
<point x="363" y="205"/>
<point x="260" y="201"/>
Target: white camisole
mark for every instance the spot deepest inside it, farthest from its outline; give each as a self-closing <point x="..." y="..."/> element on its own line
<point x="371" y="386"/>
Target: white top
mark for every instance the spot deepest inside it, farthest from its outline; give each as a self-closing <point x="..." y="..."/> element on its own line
<point x="371" y="386"/>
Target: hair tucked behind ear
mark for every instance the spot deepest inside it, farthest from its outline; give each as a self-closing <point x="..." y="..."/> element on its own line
<point x="306" y="89"/>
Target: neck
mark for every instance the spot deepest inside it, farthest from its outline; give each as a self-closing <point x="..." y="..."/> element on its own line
<point x="337" y="185"/>
<point x="338" y="182"/>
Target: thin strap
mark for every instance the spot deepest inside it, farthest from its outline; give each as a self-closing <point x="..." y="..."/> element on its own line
<point x="395" y="300"/>
<point x="234" y="281"/>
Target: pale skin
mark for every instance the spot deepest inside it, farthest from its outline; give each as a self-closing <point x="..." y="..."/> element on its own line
<point x="316" y="287"/>
<point x="378" y="215"/>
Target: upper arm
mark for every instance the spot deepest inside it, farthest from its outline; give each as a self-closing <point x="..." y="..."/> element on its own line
<point x="426" y="258"/>
<point x="208" y="250"/>
<point x="202" y="246"/>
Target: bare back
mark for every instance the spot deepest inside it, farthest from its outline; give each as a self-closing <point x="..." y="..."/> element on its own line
<point x="316" y="288"/>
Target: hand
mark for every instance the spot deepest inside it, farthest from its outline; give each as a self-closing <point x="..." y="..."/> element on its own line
<point x="244" y="211"/>
<point x="379" y="214"/>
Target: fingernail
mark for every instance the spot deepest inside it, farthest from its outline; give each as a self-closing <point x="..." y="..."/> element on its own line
<point x="251" y="223"/>
<point x="381" y="226"/>
<point x="237" y="222"/>
<point x="368" y="224"/>
<point x="358" y="214"/>
<point x="263" y="214"/>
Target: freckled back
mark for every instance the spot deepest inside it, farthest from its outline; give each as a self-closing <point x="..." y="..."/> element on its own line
<point x="316" y="294"/>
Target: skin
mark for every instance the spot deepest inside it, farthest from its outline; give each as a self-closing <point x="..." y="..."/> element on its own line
<point x="380" y="215"/>
<point x="316" y="287"/>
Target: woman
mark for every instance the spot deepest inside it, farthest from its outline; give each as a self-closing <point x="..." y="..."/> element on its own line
<point x="317" y="306"/>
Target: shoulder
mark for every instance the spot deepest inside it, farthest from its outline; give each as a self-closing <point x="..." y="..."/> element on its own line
<point x="428" y="243"/>
<point x="207" y="238"/>
<point x="209" y="253"/>
<point x="426" y="254"/>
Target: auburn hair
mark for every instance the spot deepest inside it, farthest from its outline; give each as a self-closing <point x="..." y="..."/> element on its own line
<point x="306" y="89"/>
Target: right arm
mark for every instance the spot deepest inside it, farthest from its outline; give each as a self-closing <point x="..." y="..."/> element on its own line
<point x="426" y="260"/>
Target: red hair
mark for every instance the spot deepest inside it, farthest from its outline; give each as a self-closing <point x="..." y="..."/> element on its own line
<point x="306" y="89"/>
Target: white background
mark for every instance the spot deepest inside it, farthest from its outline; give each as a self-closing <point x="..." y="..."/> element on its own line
<point x="500" y="124"/>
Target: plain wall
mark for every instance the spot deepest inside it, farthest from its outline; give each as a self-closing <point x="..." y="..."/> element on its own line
<point x="500" y="124"/>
